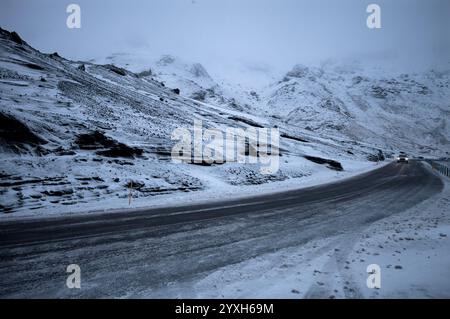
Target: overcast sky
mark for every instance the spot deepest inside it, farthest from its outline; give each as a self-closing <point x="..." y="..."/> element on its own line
<point x="276" y="32"/>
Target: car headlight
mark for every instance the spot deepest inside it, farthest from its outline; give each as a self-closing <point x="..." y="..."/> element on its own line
<point x="398" y="158"/>
<point x="406" y="158"/>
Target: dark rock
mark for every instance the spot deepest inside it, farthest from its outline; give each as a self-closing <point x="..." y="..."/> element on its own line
<point x="295" y="138"/>
<point x="121" y="150"/>
<point x="379" y="92"/>
<point x="14" y="36"/>
<point x="357" y="79"/>
<point x="145" y="73"/>
<point x="331" y="104"/>
<point x="68" y="203"/>
<point x="255" y="95"/>
<point x="199" y="71"/>
<point x="106" y="146"/>
<point x="233" y="104"/>
<point x="68" y="191"/>
<point x="246" y="121"/>
<point x="15" y="134"/>
<point x="54" y="55"/>
<point x="331" y="164"/>
<point x="115" y="69"/>
<point x="199" y="96"/>
<point x="34" y="66"/>
<point x="93" y="141"/>
<point x="202" y="163"/>
<point x="123" y="163"/>
<point x="176" y="91"/>
<point x="134" y="185"/>
<point x="5" y="209"/>
<point x="62" y="152"/>
<point x="379" y="156"/>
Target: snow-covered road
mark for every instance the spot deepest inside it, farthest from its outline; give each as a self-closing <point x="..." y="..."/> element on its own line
<point x="265" y="246"/>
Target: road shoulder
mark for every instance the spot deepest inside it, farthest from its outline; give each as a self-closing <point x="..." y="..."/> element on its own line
<point x="411" y="249"/>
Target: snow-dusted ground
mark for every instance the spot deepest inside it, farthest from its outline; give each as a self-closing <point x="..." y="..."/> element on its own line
<point x="411" y="248"/>
<point x="314" y="242"/>
<point x="50" y="106"/>
<point x="216" y="189"/>
<point x="77" y="135"/>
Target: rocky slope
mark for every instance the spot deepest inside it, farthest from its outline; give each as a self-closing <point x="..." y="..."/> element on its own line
<point x="397" y="111"/>
<point x="79" y="136"/>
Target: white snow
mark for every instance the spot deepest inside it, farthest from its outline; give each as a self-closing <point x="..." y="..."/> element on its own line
<point x="59" y="102"/>
<point x="411" y="248"/>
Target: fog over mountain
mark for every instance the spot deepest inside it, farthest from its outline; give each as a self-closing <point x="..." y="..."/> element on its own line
<point x="224" y="35"/>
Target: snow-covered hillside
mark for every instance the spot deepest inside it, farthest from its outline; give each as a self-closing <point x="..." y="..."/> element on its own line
<point x="191" y="78"/>
<point x="79" y="136"/>
<point x="406" y="111"/>
<point x="375" y="104"/>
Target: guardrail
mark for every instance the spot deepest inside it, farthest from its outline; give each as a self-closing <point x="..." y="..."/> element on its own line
<point x="441" y="168"/>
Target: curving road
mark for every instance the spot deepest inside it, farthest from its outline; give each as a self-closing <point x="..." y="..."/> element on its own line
<point x="140" y="253"/>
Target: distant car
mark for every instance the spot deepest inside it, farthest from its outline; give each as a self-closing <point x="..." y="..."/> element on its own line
<point x="403" y="158"/>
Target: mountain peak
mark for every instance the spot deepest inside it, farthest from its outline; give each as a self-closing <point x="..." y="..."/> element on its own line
<point x="13" y="36"/>
<point x="199" y="71"/>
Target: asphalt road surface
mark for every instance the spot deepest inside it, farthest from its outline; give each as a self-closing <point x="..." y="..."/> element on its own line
<point x="126" y="254"/>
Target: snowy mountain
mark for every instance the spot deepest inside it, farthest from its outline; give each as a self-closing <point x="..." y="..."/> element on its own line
<point x="372" y="104"/>
<point x="406" y="111"/>
<point x="192" y="79"/>
<point x="79" y="136"/>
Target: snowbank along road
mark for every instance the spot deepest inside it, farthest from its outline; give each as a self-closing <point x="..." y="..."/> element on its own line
<point x="143" y="253"/>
